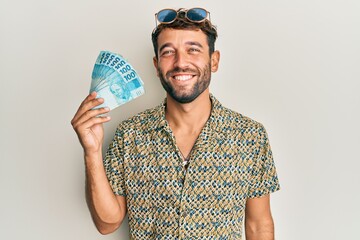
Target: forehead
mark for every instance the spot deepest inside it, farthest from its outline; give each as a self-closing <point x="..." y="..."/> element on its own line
<point x="182" y="36"/>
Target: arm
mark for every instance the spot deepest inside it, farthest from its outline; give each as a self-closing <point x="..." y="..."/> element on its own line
<point x="107" y="210"/>
<point x="259" y="224"/>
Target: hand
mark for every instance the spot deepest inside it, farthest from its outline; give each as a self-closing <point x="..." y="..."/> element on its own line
<point x="88" y="125"/>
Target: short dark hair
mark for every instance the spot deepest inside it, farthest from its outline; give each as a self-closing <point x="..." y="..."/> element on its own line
<point x="181" y="22"/>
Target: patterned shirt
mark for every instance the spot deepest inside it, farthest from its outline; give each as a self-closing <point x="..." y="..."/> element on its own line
<point x="231" y="162"/>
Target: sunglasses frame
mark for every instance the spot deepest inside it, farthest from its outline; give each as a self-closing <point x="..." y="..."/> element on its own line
<point x="186" y="16"/>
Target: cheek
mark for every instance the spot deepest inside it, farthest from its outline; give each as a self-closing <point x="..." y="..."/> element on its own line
<point x="201" y="59"/>
<point x="202" y="63"/>
<point x="165" y="64"/>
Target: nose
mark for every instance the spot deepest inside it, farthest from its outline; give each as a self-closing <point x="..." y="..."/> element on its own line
<point x="181" y="60"/>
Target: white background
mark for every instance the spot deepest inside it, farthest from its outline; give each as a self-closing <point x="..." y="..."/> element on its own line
<point x="291" y="65"/>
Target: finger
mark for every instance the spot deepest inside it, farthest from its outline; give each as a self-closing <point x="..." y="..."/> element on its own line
<point x="87" y="107"/>
<point x="90" y="114"/>
<point x="96" y="120"/>
<point x="89" y="97"/>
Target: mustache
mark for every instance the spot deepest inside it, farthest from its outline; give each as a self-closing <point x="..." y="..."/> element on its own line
<point x="181" y="70"/>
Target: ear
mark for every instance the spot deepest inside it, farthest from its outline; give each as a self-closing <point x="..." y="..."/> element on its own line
<point x="155" y="62"/>
<point x="215" y="59"/>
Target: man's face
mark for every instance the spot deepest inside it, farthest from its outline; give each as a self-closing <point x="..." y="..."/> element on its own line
<point x="184" y="65"/>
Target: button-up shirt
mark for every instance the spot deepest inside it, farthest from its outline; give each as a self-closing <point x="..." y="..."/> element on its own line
<point x="231" y="162"/>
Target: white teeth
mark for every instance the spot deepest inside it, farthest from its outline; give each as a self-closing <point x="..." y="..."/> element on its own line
<point x="183" y="77"/>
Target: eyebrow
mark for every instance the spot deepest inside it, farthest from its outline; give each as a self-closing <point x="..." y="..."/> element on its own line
<point x="194" y="43"/>
<point x="164" y="46"/>
<point x="191" y="43"/>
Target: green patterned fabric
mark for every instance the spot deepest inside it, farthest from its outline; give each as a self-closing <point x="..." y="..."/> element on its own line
<point x="231" y="162"/>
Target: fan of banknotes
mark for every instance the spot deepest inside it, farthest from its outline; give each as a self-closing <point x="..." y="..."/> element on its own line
<point x="115" y="80"/>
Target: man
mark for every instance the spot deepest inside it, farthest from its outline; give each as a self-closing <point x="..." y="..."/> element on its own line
<point x="189" y="168"/>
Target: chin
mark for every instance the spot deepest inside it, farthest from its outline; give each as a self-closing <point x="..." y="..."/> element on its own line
<point x="184" y="98"/>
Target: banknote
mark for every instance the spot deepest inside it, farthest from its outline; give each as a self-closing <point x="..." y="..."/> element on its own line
<point x="115" y="80"/>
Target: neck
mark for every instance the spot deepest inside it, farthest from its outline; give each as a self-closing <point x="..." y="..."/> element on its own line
<point x="188" y="116"/>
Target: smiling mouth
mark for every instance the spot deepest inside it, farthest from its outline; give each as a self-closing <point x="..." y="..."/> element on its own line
<point x="184" y="77"/>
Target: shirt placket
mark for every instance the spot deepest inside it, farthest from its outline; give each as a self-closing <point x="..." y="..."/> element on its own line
<point x="182" y="204"/>
<point x="184" y="177"/>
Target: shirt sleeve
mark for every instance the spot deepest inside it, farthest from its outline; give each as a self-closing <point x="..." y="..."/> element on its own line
<point x="264" y="179"/>
<point x="114" y="164"/>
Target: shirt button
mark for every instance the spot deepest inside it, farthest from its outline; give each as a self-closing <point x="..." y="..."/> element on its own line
<point x="184" y="214"/>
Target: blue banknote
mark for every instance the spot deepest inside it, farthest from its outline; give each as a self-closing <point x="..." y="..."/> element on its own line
<point x="115" y="80"/>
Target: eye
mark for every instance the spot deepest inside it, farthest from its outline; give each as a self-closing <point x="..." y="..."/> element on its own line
<point x="167" y="52"/>
<point x="194" y="50"/>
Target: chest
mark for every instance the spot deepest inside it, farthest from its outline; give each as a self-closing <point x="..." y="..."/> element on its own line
<point x="214" y="165"/>
<point x="215" y="183"/>
<point x="185" y="143"/>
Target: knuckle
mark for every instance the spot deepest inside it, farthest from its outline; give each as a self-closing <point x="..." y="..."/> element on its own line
<point x="73" y="123"/>
<point x="89" y="113"/>
<point x="101" y="110"/>
<point x="91" y="104"/>
<point x="76" y="128"/>
<point x="82" y="104"/>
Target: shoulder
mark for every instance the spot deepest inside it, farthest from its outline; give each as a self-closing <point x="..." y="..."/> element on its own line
<point x="237" y="122"/>
<point x="241" y="129"/>
<point x="142" y="122"/>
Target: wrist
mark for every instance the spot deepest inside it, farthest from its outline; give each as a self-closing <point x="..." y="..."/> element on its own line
<point x="90" y="153"/>
<point x="92" y="157"/>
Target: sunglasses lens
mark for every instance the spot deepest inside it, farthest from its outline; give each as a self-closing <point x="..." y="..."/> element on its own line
<point x="196" y="14"/>
<point x="166" y="15"/>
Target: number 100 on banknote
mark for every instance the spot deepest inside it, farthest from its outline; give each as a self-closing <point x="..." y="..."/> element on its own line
<point x="115" y="80"/>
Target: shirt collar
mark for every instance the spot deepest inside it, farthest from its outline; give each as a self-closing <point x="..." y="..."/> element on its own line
<point x="212" y="126"/>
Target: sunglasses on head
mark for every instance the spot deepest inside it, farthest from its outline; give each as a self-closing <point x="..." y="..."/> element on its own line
<point x="193" y="14"/>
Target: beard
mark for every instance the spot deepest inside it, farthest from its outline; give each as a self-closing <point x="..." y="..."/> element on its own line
<point x="180" y="95"/>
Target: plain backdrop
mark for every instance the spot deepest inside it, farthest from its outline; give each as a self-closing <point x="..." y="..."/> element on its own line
<point x="291" y="65"/>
